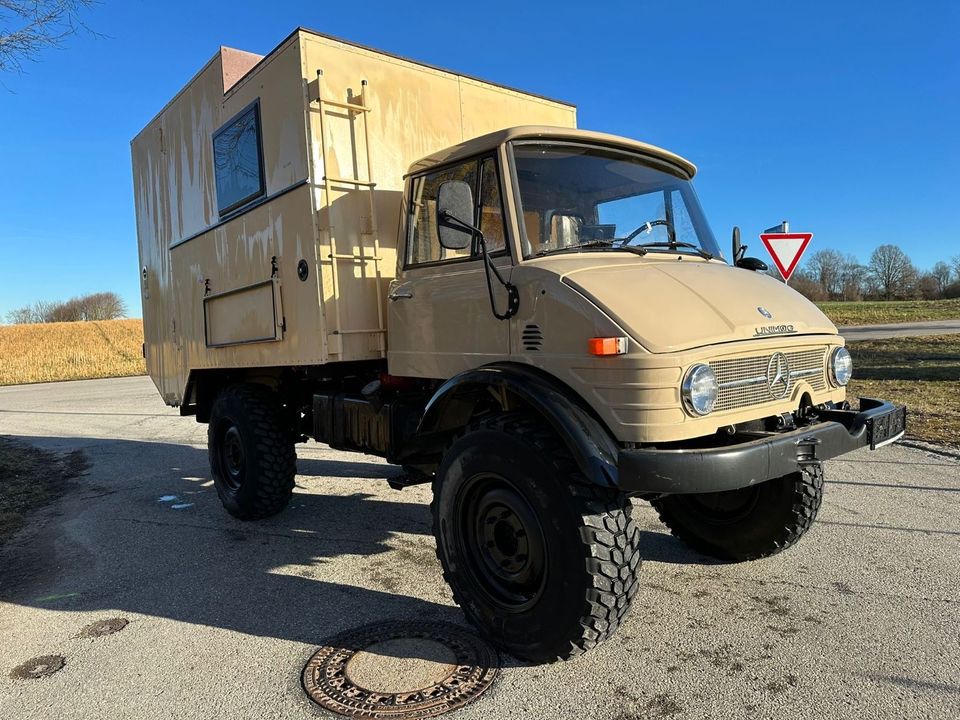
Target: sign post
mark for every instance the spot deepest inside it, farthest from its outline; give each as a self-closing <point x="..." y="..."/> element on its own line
<point x="786" y="248"/>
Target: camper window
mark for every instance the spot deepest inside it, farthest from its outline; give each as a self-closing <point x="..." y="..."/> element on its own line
<point x="238" y="160"/>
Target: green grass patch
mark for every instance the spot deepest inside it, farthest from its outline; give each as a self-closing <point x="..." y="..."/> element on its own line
<point x="31" y="478"/>
<point x="891" y="311"/>
<point x="922" y="373"/>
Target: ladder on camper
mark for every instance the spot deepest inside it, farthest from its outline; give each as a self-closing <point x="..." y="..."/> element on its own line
<point x="368" y="232"/>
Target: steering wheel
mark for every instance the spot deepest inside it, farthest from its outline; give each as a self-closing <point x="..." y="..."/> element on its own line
<point x="647" y="227"/>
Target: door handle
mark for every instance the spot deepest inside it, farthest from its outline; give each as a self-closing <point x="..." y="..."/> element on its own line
<point x="401" y="294"/>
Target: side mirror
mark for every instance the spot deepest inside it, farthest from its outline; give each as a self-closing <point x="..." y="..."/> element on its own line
<point x="455" y="215"/>
<point x="747" y="263"/>
<point x="755" y="264"/>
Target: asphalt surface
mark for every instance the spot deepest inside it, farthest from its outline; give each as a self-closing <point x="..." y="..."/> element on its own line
<point x="853" y="333"/>
<point x="861" y="619"/>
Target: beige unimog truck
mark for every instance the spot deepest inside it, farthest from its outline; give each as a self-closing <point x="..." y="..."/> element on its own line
<point x="391" y="258"/>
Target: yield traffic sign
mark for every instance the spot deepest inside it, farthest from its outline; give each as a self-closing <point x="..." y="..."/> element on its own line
<point x="786" y="250"/>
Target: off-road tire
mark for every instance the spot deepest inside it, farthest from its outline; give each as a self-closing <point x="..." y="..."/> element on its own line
<point x="267" y="457"/>
<point x="591" y="556"/>
<point x="781" y="512"/>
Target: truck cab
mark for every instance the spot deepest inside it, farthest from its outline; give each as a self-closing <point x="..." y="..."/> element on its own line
<point x="619" y="284"/>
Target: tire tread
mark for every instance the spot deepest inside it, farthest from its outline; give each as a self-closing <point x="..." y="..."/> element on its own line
<point x="608" y="533"/>
<point x="276" y="452"/>
<point x="807" y="497"/>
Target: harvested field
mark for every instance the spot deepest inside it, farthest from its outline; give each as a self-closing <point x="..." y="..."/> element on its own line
<point x="70" y="351"/>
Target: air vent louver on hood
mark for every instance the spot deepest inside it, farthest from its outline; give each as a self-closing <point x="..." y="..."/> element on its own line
<point x="532" y="338"/>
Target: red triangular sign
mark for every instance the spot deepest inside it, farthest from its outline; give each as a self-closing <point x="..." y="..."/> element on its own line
<point x="786" y="250"/>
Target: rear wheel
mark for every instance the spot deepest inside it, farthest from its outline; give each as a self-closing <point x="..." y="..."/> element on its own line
<point x="252" y="455"/>
<point x="749" y="523"/>
<point x="543" y="562"/>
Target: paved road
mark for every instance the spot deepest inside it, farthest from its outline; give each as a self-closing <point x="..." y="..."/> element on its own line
<point x="859" y="620"/>
<point x="909" y="329"/>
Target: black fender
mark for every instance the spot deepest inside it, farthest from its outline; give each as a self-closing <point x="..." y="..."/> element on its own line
<point x="590" y="443"/>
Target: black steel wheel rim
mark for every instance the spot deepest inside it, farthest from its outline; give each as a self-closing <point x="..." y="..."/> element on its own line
<point x="500" y="536"/>
<point x="724" y="508"/>
<point x="232" y="457"/>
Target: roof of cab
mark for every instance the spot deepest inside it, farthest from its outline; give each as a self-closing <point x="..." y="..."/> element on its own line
<point x="489" y="141"/>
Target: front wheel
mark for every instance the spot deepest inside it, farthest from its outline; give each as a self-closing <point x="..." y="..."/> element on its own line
<point x="749" y="523"/>
<point x="543" y="562"/>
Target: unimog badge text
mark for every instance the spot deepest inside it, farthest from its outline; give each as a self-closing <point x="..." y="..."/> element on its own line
<point x="773" y="330"/>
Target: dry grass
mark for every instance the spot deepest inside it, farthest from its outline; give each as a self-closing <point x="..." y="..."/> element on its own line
<point x="922" y="373"/>
<point x="893" y="311"/>
<point x="70" y="351"/>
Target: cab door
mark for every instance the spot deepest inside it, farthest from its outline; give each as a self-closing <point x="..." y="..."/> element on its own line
<point x="440" y="320"/>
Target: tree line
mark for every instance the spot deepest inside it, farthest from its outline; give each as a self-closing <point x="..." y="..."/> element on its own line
<point x="889" y="274"/>
<point x="95" y="306"/>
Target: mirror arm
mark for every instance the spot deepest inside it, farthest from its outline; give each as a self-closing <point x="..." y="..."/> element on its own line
<point x="513" y="296"/>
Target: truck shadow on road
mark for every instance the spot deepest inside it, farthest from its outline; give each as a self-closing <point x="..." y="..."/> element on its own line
<point x="144" y="533"/>
<point x="328" y="563"/>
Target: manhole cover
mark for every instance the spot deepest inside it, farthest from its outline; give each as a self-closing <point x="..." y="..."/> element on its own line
<point x="103" y="627"/>
<point x="38" y="667"/>
<point x="400" y="670"/>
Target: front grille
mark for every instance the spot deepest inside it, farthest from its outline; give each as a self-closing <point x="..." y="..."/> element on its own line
<point x="743" y="381"/>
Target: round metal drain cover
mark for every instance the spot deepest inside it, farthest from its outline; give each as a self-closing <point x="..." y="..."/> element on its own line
<point x="38" y="667"/>
<point x="400" y="670"/>
<point x="103" y="627"/>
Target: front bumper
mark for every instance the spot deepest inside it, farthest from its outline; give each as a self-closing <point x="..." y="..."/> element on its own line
<point x="771" y="456"/>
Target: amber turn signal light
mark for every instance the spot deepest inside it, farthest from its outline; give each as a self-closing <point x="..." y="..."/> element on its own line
<point x="607" y="346"/>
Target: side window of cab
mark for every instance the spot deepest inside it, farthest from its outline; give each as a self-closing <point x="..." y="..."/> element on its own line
<point x="423" y="242"/>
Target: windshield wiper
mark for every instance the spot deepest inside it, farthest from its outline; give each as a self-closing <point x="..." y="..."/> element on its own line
<point x="593" y="246"/>
<point x="560" y="251"/>
<point x="673" y="245"/>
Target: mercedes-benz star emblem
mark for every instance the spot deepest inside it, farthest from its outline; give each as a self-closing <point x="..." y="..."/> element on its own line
<point x="778" y="375"/>
<point x="766" y="313"/>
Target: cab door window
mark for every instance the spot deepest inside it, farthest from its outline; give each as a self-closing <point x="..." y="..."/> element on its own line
<point x="490" y="207"/>
<point x="423" y="242"/>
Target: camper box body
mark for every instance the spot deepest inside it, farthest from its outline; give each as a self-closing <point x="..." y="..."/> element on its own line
<point x="286" y="261"/>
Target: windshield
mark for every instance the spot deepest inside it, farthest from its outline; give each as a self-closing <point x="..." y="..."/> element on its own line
<point x="576" y="197"/>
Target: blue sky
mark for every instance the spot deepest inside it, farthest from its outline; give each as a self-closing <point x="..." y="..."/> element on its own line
<point x="842" y="117"/>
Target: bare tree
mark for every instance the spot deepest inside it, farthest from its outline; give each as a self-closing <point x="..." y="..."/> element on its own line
<point x="43" y="310"/>
<point x="927" y="287"/>
<point x="28" y="27"/>
<point x="102" y="306"/>
<point x="942" y="274"/>
<point x="955" y="261"/>
<point x="96" y="306"/>
<point x="69" y="311"/>
<point x="892" y="272"/>
<point x="853" y="276"/>
<point x="21" y="315"/>
<point x="824" y="267"/>
<point x="808" y="286"/>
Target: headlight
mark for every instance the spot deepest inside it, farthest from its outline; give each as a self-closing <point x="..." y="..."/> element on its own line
<point x="699" y="389"/>
<point x="841" y="366"/>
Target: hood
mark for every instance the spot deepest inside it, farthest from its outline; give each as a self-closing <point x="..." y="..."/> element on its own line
<point x="670" y="305"/>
